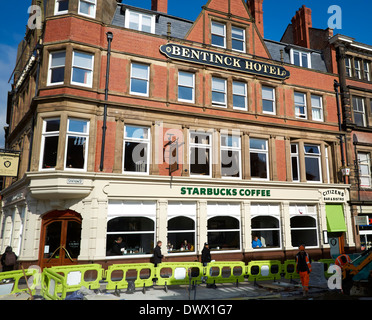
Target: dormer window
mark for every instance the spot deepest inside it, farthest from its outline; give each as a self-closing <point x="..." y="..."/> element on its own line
<point x="140" y="21"/>
<point x="300" y="58"/>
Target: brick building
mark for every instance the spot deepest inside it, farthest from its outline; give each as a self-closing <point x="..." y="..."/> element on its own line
<point x="200" y="130"/>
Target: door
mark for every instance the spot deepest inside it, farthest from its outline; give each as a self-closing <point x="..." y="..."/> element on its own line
<point x="60" y="238"/>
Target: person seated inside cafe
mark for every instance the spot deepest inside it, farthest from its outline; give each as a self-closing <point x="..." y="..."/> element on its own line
<point x="256" y="243"/>
<point x="185" y="246"/>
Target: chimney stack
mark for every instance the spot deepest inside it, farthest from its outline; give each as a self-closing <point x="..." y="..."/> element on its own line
<point x="301" y="23"/>
<point x="255" y="7"/>
<point x="159" y="5"/>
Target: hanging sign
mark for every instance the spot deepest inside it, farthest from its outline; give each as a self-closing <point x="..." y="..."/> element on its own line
<point x="178" y="52"/>
<point x="9" y="163"/>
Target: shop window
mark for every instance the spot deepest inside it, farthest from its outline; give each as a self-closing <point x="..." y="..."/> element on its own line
<point x="49" y="143"/>
<point x="61" y="7"/>
<point x="239" y="95"/>
<point x="238" y="39"/>
<point x="224" y="233"/>
<point x="265" y="226"/>
<point x="268" y="100"/>
<point x="359" y="111"/>
<point x="139" y="21"/>
<point x="136" y="149"/>
<point x="82" y="69"/>
<point x="300" y="58"/>
<point x="230" y="156"/>
<point x="312" y="163"/>
<point x="295" y="162"/>
<point x="56" y="74"/>
<point x="136" y="233"/>
<point x="181" y="235"/>
<point x="364" y="163"/>
<point x="258" y="150"/>
<point x="200" y="154"/>
<point x="218" y="92"/>
<point x="304" y="229"/>
<point x="77" y="144"/>
<point x="186" y="86"/>
<point x="300" y="105"/>
<point x="139" y="79"/>
<point x="365" y="231"/>
<point x="87" y="8"/>
<point x="218" y="33"/>
<point x="316" y="107"/>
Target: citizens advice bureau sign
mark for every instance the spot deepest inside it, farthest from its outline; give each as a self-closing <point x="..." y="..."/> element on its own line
<point x="178" y="52"/>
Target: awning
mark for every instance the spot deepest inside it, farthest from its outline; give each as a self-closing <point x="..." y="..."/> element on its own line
<point x="335" y="218"/>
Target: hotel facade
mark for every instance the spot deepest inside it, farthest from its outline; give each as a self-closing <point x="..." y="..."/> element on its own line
<point x="133" y="123"/>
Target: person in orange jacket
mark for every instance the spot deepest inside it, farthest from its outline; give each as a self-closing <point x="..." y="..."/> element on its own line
<point x="303" y="267"/>
<point x="342" y="260"/>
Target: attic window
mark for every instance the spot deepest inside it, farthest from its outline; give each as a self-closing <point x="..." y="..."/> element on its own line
<point x="218" y="34"/>
<point x="140" y="21"/>
<point x="300" y="58"/>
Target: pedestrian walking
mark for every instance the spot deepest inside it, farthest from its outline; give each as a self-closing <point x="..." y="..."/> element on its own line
<point x="8" y="259"/>
<point x="303" y="268"/>
<point x="206" y="255"/>
<point x="157" y="258"/>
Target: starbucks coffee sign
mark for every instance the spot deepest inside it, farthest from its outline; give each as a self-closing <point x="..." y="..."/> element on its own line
<point x="194" y="55"/>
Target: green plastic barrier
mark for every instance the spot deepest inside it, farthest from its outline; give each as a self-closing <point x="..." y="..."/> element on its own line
<point x="225" y="271"/>
<point x="264" y="270"/>
<point x="289" y="269"/>
<point x="327" y="264"/>
<point x="142" y="274"/>
<point x="16" y="275"/>
<point x="176" y="273"/>
<point x="75" y="276"/>
<point x="53" y="285"/>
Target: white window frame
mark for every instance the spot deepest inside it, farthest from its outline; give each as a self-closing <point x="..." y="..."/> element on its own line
<point x="78" y="134"/>
<point x="49" y="83"/>
<point x="201" y="146"/>
<point x="358" y="111"/>
<point x="244" y="95"/>
<point x="357" y="69"/>
<point x="240" y="40"/>
<point x="90" y="2"/>
<point x="44" y="136"/>
<point x="348" y="67"/>
<point x="366" y="71"/>
<point x="314" y="156"/>
<point x="320" y="107"/>
<point x="295" y="155"/>
<point x="128" y="13"/>
<point x="138" y="140"/>
<point x="233" y="148"/>
<point x="219" y="35"/>
<point x="89" y="84"/>
<point x="262" y="151"/>
<point x="300" y="53"/>
<point x="300" y="115"/>
<point x="272" y="100"/>
<point x="224" y="92"/>
<point x="56" y="12"/>
<point x="192" y="87"/>
<point x="147" y="79"/>
<point x="367" y="164"/>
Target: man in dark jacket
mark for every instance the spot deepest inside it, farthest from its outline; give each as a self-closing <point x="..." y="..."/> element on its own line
<point x="206" y="255"/>
<point x="8" y="259"/>
<point x="157" y="254"/>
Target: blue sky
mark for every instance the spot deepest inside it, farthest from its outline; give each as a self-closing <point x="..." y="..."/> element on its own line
<point x="355" y="22"/>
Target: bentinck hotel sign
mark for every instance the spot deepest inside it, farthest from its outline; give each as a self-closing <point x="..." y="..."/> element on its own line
<point x="175" y="51"/>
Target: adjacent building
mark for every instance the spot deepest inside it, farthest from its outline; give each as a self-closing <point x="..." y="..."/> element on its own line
<point x="137" y="124"/>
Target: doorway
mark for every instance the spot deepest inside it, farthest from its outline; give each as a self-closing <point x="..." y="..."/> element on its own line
<point x="60" y="238"/>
